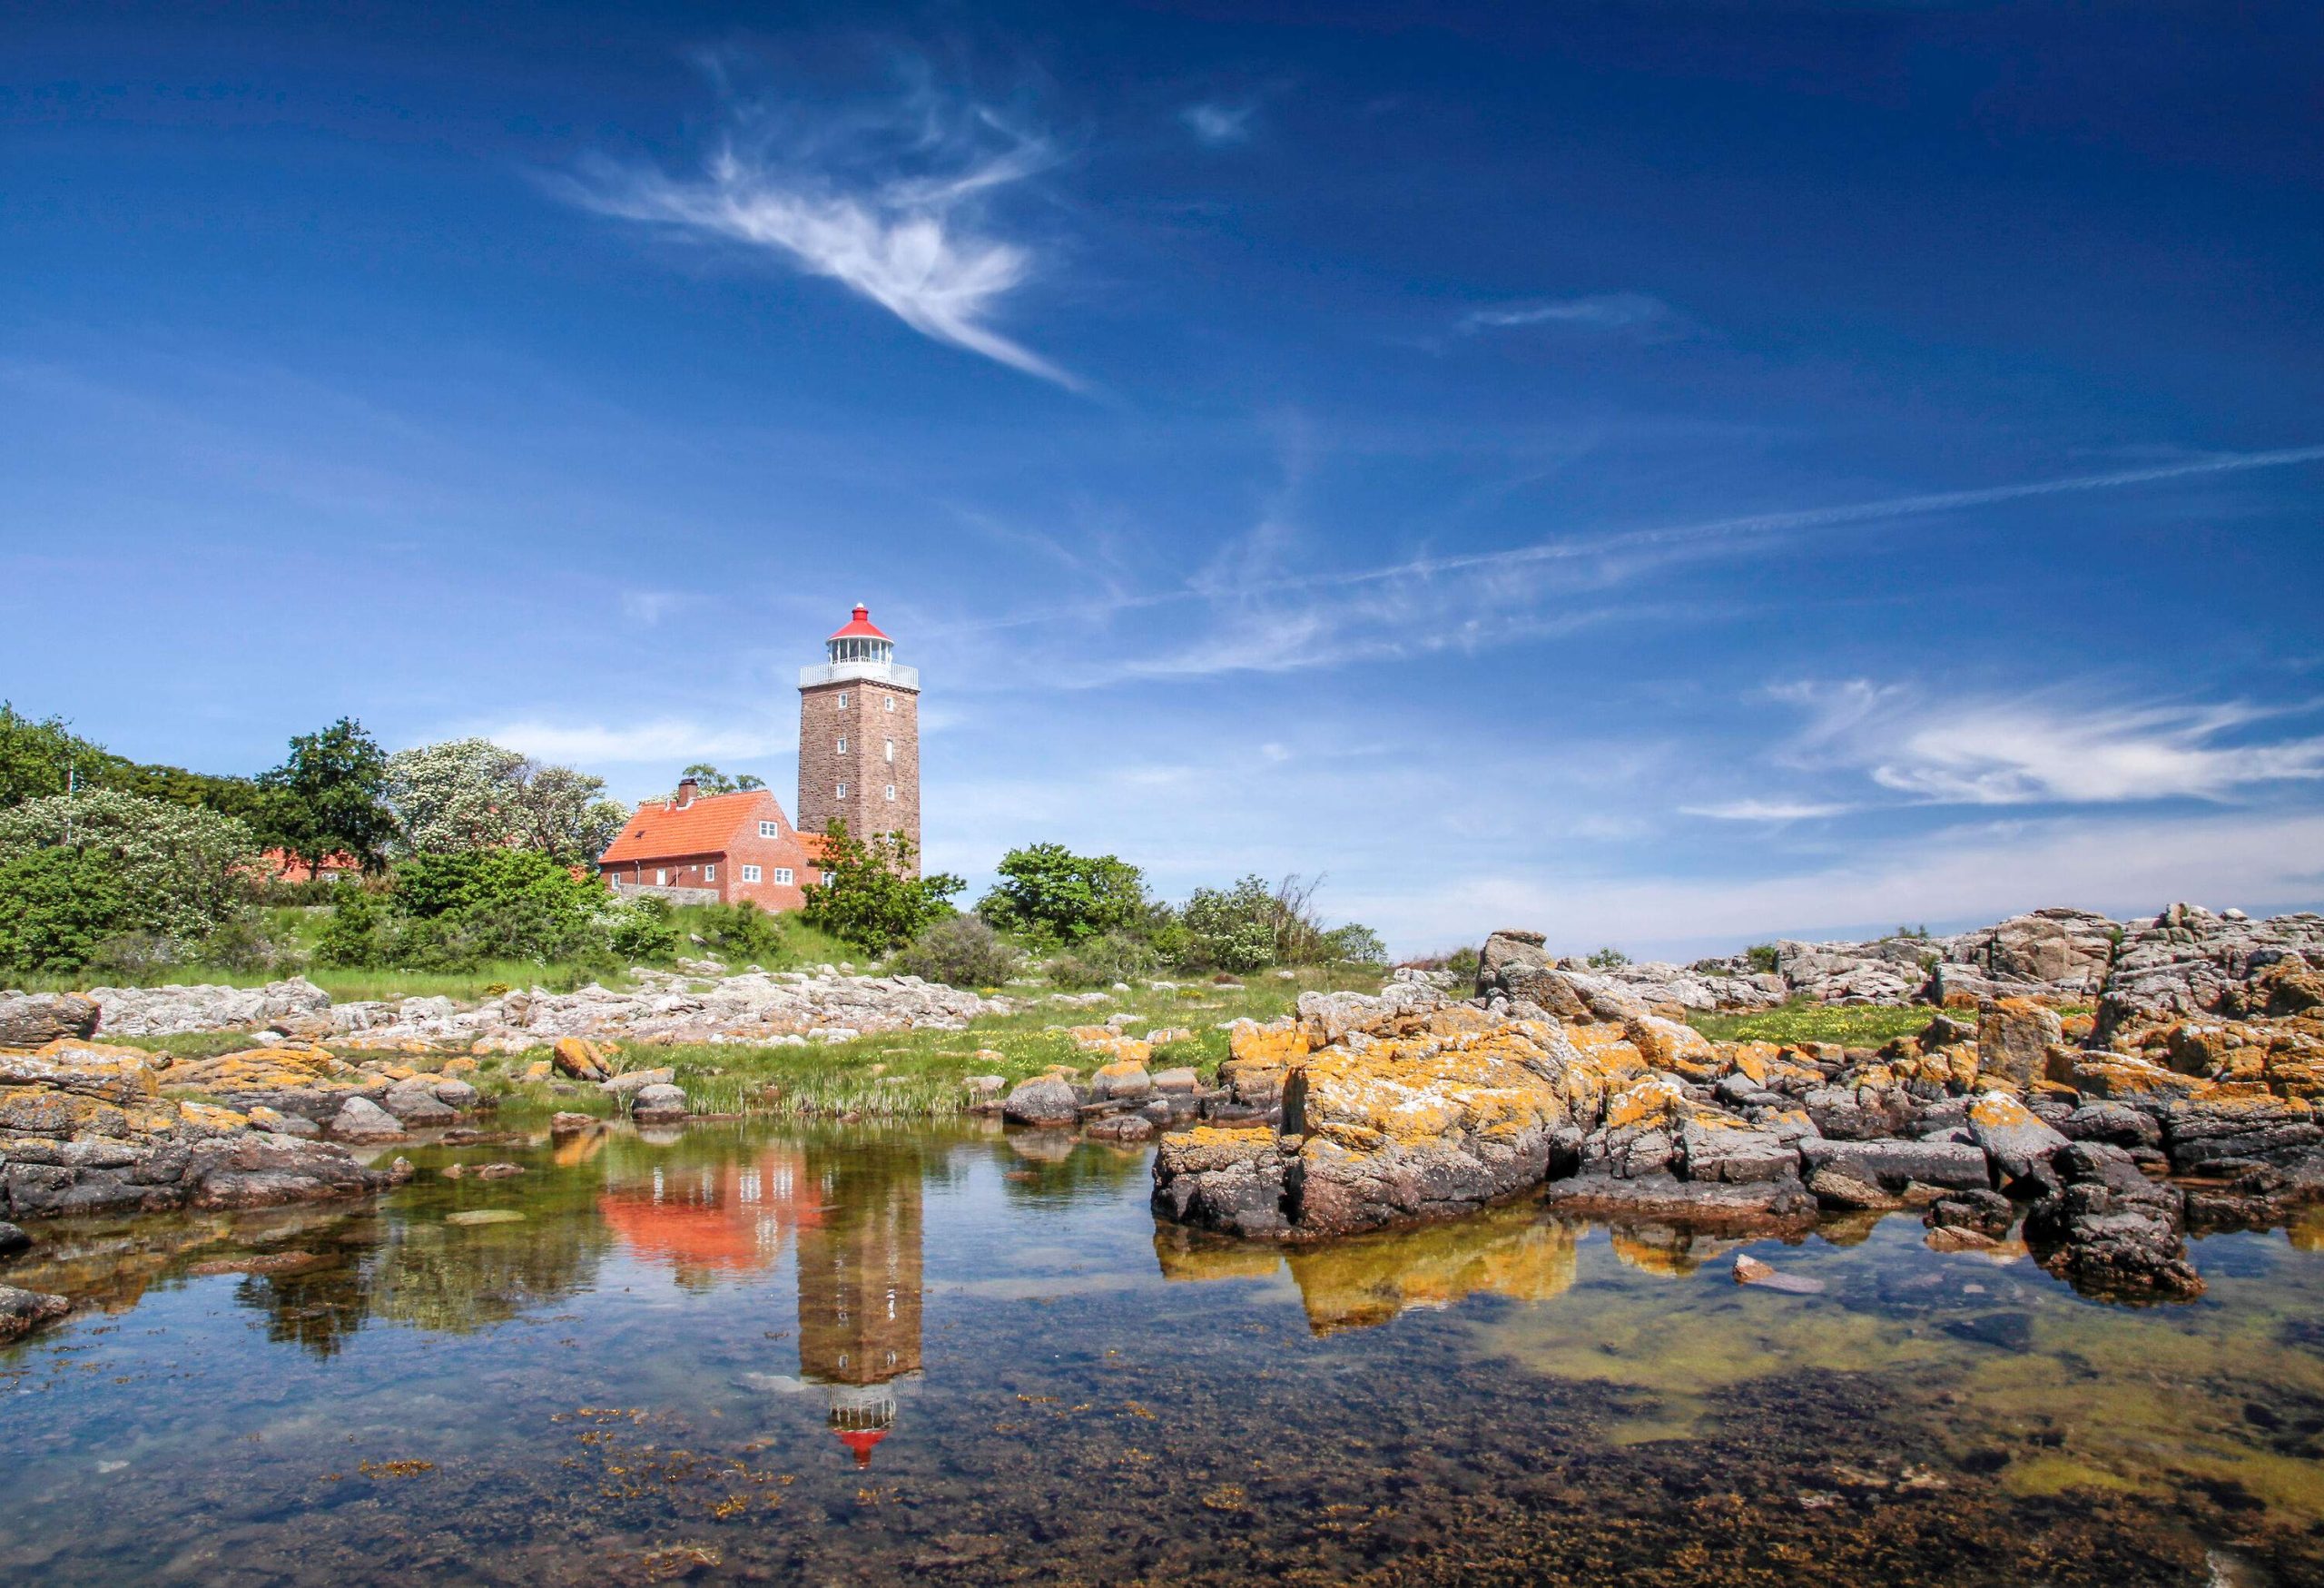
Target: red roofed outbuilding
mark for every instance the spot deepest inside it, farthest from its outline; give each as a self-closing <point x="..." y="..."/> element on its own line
<point x="738" y="847"/>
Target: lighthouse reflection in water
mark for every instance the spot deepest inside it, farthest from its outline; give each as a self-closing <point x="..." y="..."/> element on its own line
<point x="850" y="1210"/>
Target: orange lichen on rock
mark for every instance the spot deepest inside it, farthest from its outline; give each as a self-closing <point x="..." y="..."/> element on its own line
<point x="1276" y="1042"/>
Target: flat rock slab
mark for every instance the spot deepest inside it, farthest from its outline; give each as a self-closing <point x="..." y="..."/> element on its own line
<point x="1758" y="1204"/>
<point x="1893" y="1164"/>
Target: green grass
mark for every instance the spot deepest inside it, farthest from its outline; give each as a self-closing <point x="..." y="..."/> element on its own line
<point x="922" y="1072"/>
<point x="1805" y="1020"/>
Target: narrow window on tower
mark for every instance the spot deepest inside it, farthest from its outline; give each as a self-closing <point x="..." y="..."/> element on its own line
<point x="891" y="791"/>
<point x="890" y="744"/>
<point x="843" y="743"/>
<point x="891" y="703"/>
<point x="842" y="792"/>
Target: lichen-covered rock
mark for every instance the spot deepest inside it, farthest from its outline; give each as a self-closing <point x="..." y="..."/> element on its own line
<point x="580" y="1059"/>
<point x="2011" y="1135"/>
<point x="2014" y="1038"/>
<point x="1125" y="1078"/>
<point x="161" y="1011"/>
<point x="1719" y="1148"/>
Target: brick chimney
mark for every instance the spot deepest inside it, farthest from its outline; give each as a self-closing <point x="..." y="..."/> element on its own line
<point x="687" y="789"/>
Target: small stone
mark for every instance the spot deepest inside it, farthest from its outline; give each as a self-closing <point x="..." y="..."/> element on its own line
<point x="568" y="1124"/>
<point x="22" y="1311"/>
<point x="362" y="1119"/>
<point x="661" y="1104"/>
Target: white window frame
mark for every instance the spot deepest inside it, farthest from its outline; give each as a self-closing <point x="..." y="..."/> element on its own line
<point x="842" y="700"/>
<point x="843" y="743"/>
<point x="661" y="876"/>
<point x="750" y="873"/>
<point x="891" y="791"/>
<point x="890" y="703"/>
<point x="709" y="872"/>
<point x="842" y="792"/>
<point x="770" y="829"/>
<point x="892" y="751"/>
<point x="782" y="875"/>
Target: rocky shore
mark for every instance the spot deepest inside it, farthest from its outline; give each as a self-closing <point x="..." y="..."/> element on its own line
<point x="2098" y="1142"/>
<point x="702" y="1004"/>
<point x="2184" y="961"/>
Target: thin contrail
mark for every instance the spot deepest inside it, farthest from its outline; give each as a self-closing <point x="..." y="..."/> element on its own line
<point x="1712" y="529"/>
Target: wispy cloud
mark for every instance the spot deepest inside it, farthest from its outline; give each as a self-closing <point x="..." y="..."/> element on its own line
<point x="1271" y="619"/>
<point x="675" y="740"/>
<point x="1217" y="126"/>
<point x="2046" y="749"/>
<point x="1765" y="810"/>
<point x="1602" y="312"/>
<point x="649" y="606"/>
<point x="894" y="206"/>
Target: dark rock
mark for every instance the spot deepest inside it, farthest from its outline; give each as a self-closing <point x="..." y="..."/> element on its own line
<point x="418" y="1107"/>
<point x="1893" y="1164"/>
<point x="1230" y="1180"/>
<point x="2117" y="1124"/>
<point x="1120" y="1127"/>
<point x="1718" y="1149"/>
<point x="1989" y="1213"/>
<point x="2238" y="1124"/>
<point x="13" y="1240"/>
<point x="2110" y="1231"/>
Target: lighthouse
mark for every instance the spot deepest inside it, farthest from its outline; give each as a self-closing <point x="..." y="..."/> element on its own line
<point x="858" y="736"/>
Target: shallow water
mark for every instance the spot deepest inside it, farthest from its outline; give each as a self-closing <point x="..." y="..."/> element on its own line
<point x="758" y="1353"/>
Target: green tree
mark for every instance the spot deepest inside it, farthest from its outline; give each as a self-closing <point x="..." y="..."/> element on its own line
<point x="1052" y="895"/>
<point x="870" y="898"/>
<point x="42" y="757"/>
<point x="56" y="907"/>
<point x="1356" y="945"/>
<point x="714" y="782"/>
<point x="182" y="872"/>
<point x="333" y="787"/>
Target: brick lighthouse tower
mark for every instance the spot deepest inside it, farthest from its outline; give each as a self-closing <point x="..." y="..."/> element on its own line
<point x="859" y="737"/>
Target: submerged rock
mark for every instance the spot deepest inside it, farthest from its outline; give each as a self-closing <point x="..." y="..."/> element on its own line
<point x="2110" y="1231"/>
<point x="22" y="1311"/>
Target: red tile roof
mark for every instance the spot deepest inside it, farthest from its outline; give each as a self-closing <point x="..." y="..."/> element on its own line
<point x="813" y="843"/>
<point x="660" y="830"/>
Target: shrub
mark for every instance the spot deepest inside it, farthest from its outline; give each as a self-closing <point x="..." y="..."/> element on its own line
<point x="870" y="898"/>
<point x="360" y="933"/>
<point x="1356" y="945"/>
<point x="740" y="934"/>
<point x="1608" y="958"/>
<point x="1101" y="962"/>
<point x="176" y="871"/>
<point x="1463" y="963"/>
<point x="133" y="957"/>
<point x="641" y="929"/>
<point x="239" y="942"/>
<point x="1761" y="956"/>
<point x="1050" y="894"/>
<point x="961" y="952"/>
<point x="1233" y="929"/>
<point x="56" y="905"/>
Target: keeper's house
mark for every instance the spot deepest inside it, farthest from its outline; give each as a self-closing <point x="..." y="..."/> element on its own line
<point x="702" y="849"/>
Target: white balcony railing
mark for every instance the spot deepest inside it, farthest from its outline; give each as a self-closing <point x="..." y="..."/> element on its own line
<point x="889" y="673"/>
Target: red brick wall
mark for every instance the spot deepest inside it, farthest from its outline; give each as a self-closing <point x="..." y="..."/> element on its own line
<point x="868" y="725"/>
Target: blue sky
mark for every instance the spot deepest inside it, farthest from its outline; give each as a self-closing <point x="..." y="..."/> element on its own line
<point x="1666" y="474"/>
